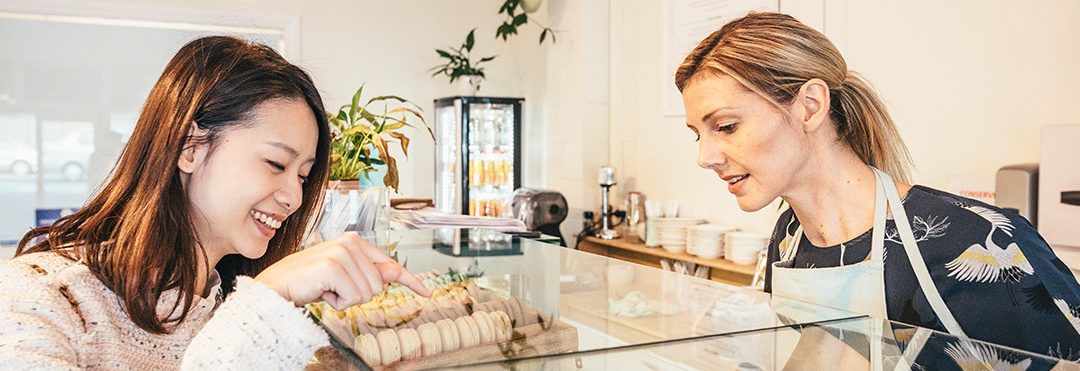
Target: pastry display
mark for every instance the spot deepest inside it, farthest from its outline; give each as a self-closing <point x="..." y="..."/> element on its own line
<point x="459" y="321"/>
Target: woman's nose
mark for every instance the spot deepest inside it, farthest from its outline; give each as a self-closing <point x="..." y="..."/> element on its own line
<point x="291" y="195"/>
<point x="710" y="155"/>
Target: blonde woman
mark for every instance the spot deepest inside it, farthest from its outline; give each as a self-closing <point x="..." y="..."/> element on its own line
<point x="777" y="113"/>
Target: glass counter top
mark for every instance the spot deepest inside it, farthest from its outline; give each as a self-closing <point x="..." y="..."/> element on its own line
<point x="557" y="300"/>
<point x="827" y="345"/>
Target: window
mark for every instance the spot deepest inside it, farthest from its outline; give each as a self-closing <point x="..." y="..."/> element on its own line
<point x="71" y="87"/>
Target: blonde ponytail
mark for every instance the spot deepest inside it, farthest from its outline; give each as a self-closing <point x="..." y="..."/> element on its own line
<point x="773" y="55"/>
<point x="865" y="125"/>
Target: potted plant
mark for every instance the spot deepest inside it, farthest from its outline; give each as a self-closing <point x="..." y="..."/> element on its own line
<point x="360" y="137"/>
<point x="459" y="65"/>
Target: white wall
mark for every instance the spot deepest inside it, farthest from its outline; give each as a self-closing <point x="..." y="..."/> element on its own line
<point x="577" y="111"/>
<point x="389" y="45"/>
<point x="969" y="83"/>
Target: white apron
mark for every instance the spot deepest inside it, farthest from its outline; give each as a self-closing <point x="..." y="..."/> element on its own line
<point x="860" y="287"/>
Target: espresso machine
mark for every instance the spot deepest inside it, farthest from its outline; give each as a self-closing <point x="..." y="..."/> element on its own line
<point x="541" y="210"/>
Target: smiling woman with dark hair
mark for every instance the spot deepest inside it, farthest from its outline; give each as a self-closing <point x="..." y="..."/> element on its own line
<point x="217" y="184"/>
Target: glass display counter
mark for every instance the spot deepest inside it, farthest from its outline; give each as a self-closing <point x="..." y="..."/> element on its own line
<point x="535" y="300"/>
<point x="826" y="345"/>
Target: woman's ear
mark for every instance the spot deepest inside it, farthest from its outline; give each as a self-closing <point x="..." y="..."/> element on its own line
<point x="811" y="106"/>
<point x="195" y="149"/>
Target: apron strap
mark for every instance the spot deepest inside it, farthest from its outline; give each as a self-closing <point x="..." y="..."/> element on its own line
<point x="914" y="347"/>
<point x="926" y="282"/>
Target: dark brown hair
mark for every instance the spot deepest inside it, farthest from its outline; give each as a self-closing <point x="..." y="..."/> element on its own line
<point x="136" y="233"/>
<point x="773" y="55"/>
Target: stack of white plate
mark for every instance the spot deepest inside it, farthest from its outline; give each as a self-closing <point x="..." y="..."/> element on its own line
<point x="672" y="232"/>
<point x="742" y="248"/>
<point x="706" y="240"/>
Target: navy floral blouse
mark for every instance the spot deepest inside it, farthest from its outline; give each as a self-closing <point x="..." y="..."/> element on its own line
<point x="999" y="278"/>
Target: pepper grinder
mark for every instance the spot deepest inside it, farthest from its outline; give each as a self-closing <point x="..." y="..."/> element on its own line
<point x="607" y="180"/>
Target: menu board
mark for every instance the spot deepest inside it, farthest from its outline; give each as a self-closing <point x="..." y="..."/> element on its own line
<point x="686" y="23"/>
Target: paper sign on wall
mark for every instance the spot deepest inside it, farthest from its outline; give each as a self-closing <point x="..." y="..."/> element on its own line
<point x="686" y="23"/>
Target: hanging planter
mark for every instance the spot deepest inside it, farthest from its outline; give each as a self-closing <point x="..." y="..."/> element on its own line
<point x="531" y="6"/>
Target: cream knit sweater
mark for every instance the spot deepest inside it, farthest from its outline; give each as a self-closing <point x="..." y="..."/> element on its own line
<point x="55" y="314"/>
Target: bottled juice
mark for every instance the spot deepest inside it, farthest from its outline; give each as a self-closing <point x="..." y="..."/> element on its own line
<point x="496" y="165"/>
<point x="475" y="175"/>
<point x="489" y="171"/>
<point x="508" y="170"/>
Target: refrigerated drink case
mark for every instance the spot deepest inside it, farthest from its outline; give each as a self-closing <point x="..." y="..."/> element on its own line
<point x="478" y="154"/>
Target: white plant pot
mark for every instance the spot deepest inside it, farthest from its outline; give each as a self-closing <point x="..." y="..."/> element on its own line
<point x="531" y="5"/>
<point x="468" y="85"/>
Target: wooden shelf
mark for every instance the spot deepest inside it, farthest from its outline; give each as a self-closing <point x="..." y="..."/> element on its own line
<point x="721" y="270"/>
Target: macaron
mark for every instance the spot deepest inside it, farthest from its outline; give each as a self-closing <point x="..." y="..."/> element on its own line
<point x="361" y="322"/>
<point x="389" y="346"/>
<point x="368" y="348"/>
<point x="482" y="306"/>
<point x="395" y="316"/>
<point x="461" y="295"/>
<point x="460" y="309"/>
<point x="410" y="343"/>
<point x="500" y="305"/>
<point x="483" y="324"/>
<point x="377" y="319"/>
<point x="448" y="334"/>
<point x="523" y="313"/>
<point x="425" y="313"/>
<point x="501" y="323"/>
<point x="446" y="311"/>
<point x="467" y="331"/>
<point x="430" y="341"/>
<point x="474" y="291"/>
<point x="351" y="314"/>
<point x="512" y="312"/>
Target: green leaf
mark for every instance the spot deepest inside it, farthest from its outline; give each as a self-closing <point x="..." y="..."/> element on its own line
<point x="444" y="54"/>
<point x="469" y="40"/>
<point x="417" y="111"/>
<point x="543" y="35"/>
<point x="504" y="31"/>
<point x="398" y="124"/>
<point x="355" y="102"/>
<point x="386" y="97"/>
<point x="487" y="59"/>
<point x="521" y="19"/>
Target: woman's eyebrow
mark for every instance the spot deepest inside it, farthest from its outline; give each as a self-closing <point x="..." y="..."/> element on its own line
<point x="717" y="112"/>
<point x="284" y="147"/>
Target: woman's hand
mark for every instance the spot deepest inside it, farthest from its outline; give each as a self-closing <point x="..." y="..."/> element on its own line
<point x="344" y="271"/>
